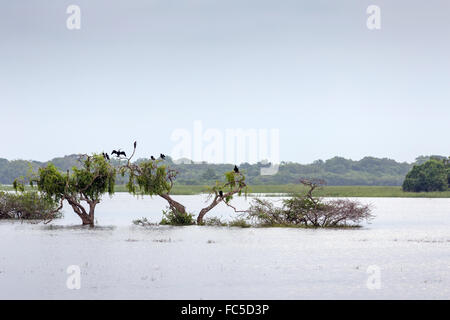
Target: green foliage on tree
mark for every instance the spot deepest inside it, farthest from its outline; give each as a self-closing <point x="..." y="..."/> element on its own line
<point x="85" y="185"/>
<point x="28" y="205"/>
<point x="234" y="184"/>
<point x="433" y="175"/>
<point x="155" y="178"/>
<point x="149" y="177"/>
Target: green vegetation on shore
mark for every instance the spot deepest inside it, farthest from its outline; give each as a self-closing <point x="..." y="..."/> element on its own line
<point x="350" y="191"/>
<point x="328" y="191"/>
<point x="433" y="175"/>
<point x="336" y="171"/>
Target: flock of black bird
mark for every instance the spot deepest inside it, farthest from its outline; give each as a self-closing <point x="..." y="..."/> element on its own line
<point x="120" y="153"/>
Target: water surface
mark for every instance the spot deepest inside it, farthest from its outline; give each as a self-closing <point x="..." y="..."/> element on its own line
<point x="409" y="240"/>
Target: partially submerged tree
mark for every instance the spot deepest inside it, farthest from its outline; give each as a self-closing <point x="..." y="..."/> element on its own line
<point x="224" y="192"/>
<point x="307" y="210"/>
<point x="153" y="178"/>
<point x="82" y="189"/>
<point x="156" y="178"/>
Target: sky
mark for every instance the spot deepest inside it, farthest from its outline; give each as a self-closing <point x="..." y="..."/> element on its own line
<point x="140" y="70"/>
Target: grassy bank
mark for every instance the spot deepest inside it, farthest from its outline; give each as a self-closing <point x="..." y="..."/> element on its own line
<point x="328" y="191"/>
<point x="351" y="191"/>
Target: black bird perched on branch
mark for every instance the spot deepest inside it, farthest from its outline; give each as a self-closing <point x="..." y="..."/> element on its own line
<point x="162" y="156"/>
<point x="236" y="169"/>
<point x="119" y="153"/>
<point x="135" y="144"/>
<point x="105" y="155"/>
<point x="221" y="193"/>
<point x="152" y="157"/>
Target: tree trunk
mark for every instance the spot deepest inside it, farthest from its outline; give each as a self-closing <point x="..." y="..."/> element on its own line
<point x="91" y="216"/>
<point x="174" y="205"/>
<point x="86" y="218"/>
<point x="206" y="210"/>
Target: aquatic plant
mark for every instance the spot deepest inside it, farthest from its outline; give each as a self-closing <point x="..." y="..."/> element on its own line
<point x="143" y="222"/>
<point x="239" y="222"/>
<point x="214" y="222"/>
<point x="175" y="218"/>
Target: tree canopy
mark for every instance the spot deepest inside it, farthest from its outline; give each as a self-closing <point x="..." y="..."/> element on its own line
<point x="432" y="175"/>
<point x="94" y="177"/>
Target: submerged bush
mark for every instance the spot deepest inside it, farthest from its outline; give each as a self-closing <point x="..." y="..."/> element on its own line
<point x="264" y="212"/>
<point x="303" y="211"/>
<point x="307" y="210"/>
<point x="143" y="222"/>
<point x="28" y="205"/>
<point x="214" y="221"/>
<point x="177" y="218"/>
<point x="240" y="222"/>
<point x="170" y="218"/>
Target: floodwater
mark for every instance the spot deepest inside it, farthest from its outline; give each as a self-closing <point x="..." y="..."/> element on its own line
<point x="406" y="250"/>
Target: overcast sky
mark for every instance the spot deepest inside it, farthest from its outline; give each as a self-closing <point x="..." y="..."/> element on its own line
<point x="139" y="69"/>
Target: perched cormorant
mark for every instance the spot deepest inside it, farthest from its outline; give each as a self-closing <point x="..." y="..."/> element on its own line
<point x="236" y="169"/>
<point x="119" y="153"/>
<point x="162" y="156"/>
<point x="152" y="157"/>
<point x="135" y="144"/>
<point x="221" y="193"/>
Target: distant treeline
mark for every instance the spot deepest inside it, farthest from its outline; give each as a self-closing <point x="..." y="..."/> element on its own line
<point x="337" y="171"/>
